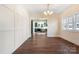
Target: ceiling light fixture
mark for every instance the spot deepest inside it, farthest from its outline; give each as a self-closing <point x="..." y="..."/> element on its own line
<point x="48" y="11"/>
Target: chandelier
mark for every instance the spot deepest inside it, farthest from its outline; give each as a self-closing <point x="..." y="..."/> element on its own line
<point x="48" y="11"/>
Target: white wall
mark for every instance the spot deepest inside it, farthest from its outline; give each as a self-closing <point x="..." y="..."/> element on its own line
<point x="14" y="28"/>
<point x="21" y="29"/>
<point x="52" y="27"/>
<point x="6" y="30"/>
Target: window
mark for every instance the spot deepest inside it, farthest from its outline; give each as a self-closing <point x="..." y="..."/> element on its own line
<point x="77" y="22"/>
<point x="71" y="23"/>
<point x="64" y="21"/>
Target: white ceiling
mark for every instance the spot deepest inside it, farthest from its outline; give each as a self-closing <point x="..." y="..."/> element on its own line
<point x="39" y="8"/>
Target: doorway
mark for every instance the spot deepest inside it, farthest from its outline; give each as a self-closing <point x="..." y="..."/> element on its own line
<point x="38" y="27"/>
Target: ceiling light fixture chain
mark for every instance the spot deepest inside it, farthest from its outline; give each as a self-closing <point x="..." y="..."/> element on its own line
<point x="48" y="12"/>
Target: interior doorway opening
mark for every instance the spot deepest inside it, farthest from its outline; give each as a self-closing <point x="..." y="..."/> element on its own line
<point x="39" y="27"/>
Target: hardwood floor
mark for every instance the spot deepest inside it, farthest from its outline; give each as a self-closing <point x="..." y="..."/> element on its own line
<point x="47" y="45"/>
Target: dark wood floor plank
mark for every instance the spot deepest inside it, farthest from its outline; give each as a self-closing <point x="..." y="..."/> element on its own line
<point x="47" y="45"/>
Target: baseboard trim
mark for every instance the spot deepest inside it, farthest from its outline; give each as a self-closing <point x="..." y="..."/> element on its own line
<point x="69" y="41"/>
<point x="28" y="39"/>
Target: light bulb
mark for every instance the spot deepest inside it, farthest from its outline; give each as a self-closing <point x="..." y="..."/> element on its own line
<point x="51" y="12"/>
<point x="48" y="11"/>
<point x="45" y="12"/>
